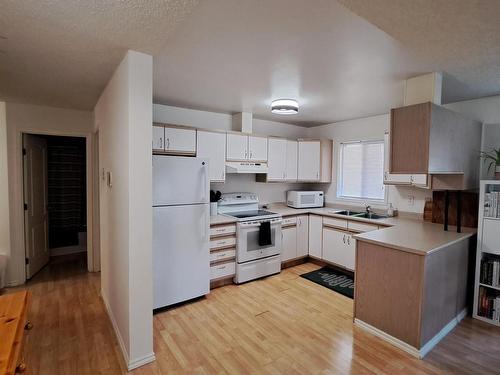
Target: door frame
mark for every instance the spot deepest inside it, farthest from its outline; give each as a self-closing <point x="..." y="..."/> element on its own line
<point x="93" y="256"/>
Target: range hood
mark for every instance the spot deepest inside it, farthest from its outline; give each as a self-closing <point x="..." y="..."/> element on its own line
<point x="245" y="167"/>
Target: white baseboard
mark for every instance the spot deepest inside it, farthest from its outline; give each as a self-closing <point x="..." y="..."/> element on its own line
<point x="131" y="364"/>
<point x="441" y="334"/>
<point x="423" y="351"/>
<point x="390" y="339"/>
<point x="141" y="361"/>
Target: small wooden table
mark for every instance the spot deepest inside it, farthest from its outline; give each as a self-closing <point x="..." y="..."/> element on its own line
<point x="13" y="323"/>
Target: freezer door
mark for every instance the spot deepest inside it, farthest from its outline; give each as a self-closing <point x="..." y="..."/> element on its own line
<point x="181" y="265"/>
<point x="180" y="180"/>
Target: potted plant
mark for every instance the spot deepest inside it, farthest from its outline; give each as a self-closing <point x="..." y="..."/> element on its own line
<point x="493" y="160"/>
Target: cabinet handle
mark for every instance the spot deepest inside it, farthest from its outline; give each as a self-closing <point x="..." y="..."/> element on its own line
<point x="348" y="240"/>
<point x="411" y="178"/>
<point x="161" y="142"/>
<point x="168" y="143"/>
<point x="385" y="176"/>
<point x="317" y="175"/>
<point x="343" y="238"/>
<point x="28" y="326"/>
<point x="251" y="154"/>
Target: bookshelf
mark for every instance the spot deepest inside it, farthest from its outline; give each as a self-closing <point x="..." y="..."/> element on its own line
<point x="487" y="279"/>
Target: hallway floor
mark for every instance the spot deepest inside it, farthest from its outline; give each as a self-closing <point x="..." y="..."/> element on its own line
<point x="281" y="324"/>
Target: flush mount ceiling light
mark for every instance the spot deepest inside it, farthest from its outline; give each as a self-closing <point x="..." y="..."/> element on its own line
<point x="285" y="107"/>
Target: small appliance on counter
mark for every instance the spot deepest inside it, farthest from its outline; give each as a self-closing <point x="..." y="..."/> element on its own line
<point x="258" y="233"/>
<point x="305" y="199"/>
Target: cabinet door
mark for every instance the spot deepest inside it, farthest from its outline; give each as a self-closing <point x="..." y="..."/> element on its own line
<point x="237" y="147"/>
<point x="315" y="236"/>
<point x="302" y="235"/>
<point x="257" y="148"/>
<point x="276" y="162"/>
<point x="335" y="247"/>
<point x="309" y="160"/>
<point x="351" y="253"/>
<point x="291" y="161"/>
<point x="180" y="141"/>
<point x="289" y="248"/>
<point x="158" y="138"/>
<point x="410" y="131"/>
<point x="389" y="178"/>
<point x="212" y="146"/>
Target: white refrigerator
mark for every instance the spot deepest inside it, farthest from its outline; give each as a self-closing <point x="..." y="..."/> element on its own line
<point x="181" y="220"/>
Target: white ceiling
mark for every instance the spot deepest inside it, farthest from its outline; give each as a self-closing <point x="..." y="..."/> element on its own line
<point x="460" y="37"/>
<point x="239" y="55"/>
<point x="62" y="52"/>
<point x="231" y="56"/>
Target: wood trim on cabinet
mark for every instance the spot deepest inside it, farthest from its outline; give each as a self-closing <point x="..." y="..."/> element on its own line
<point x="294" y="262"/>
<point x="409" y="139"/>
<point x="221" y="281"/>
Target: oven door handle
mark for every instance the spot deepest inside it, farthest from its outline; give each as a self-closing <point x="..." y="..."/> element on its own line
<point x="256" y="225"/>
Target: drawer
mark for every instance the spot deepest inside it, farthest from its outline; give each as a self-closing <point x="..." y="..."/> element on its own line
<point x="222" y="270"/>
<point x="220" y="243"/>
<point x="222" y="230"/>
<point x="216" y="256"/>
<point x="356" y="226"/>
<point x="334" y="222"/>
<point x="289" y="221"/>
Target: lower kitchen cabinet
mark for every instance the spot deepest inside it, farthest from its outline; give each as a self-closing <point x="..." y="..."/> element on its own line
<point x="339" y="247"/>
<point x="222" y="254"/>
<point x="289" y="243"/>
<point x="315" y="236"/>
<point x="302" y="235"/>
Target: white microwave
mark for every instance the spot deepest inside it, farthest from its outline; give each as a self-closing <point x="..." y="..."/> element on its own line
<point x="304" y="199"/>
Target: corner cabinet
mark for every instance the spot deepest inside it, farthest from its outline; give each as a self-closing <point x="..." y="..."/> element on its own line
<point x="314" y="160"/>
<point x="428" y="140"/>
<point x="281" y="161"/>
<point x="212" y="145"/>
<point x="315" y="236"/>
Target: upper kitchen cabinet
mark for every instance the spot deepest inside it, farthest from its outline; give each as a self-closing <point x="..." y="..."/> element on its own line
<point x="237" y="147"/>
<point x="241" y="147"/>
<point x="177" y="140"/>
<point x="257" y="148"/>
<point x="276" y="162"/>
<point x="281" y="161"/>
<point x="158" y="138"/>
<point x="314" y="160"/>
<point x="427" y="139"/>
<point x="291" y="160"/>
<point x="212" y="145"/>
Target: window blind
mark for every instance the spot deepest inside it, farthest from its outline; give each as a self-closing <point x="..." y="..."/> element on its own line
<point x="362" y="170"/>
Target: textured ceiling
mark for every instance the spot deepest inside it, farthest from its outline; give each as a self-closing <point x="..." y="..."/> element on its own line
<point x="459" y="37"/>
<point x="63" y="52"/>
<point x="231" y="56"/>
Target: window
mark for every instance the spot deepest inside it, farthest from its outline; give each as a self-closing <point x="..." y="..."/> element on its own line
<point x="361" y="170"/>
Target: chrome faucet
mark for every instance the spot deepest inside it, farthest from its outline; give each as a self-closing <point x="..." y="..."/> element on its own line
<point x="368" y="210"/>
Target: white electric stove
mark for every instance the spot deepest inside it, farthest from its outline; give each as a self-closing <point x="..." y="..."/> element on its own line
<point x="252" y="259"/>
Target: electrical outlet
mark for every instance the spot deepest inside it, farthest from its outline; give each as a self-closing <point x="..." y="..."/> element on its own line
<point x="411" y="200"/>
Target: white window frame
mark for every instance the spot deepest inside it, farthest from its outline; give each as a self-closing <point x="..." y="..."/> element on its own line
<point x="358" y="200"/>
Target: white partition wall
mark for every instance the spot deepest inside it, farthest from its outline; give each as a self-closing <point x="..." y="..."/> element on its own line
<point x="123" y="116"/>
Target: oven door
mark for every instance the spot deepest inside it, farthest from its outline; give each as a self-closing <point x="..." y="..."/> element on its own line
<point x="247" y="246"/>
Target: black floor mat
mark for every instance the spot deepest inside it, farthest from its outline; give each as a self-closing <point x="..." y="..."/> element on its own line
<point x="336" y="280"/>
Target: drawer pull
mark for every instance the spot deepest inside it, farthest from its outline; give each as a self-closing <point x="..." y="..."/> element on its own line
<point x="21" y="368"/>
<point x="28" y="326"/>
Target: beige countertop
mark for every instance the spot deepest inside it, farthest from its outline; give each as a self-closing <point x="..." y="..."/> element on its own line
<point x="407" y="234"/>
<point x="221" y="219"/>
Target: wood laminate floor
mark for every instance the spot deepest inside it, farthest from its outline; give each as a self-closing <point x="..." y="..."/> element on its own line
<point x="279" y="325"/>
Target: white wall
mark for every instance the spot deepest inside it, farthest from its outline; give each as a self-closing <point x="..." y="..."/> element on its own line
<point x="486" y="110"/>
<point x="23" y="118"/>
<point x="4" y="185"/>
<point x="368" y="128"/>
<point x="267" y="192"/>
<point x="123" y="116"/>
